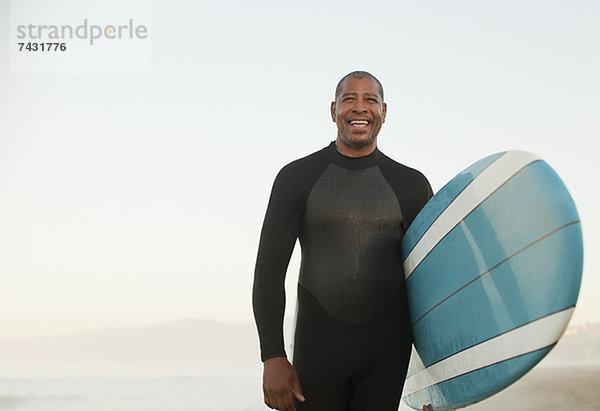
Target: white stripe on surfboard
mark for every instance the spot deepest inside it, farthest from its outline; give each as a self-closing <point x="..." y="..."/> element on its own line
<point x="291" y="354"/>
<point x="474" y="194"/>
<point x="521" y="340"/>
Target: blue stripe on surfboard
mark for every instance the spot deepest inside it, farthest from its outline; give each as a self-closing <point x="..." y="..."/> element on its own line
<point x="535" y="184"/>
<point x="531" y="336"/>
<point x="443" y="198"/>
<point x="513" y="294"/>
<point x="513" y="342"/>
<point x="416" y="320"/>
<point x="459" y="391"/>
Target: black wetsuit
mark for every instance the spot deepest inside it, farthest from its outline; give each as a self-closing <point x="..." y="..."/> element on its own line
<point x="352" y="339"/>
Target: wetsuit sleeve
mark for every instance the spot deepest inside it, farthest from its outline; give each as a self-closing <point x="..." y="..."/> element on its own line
<point x="423" y="192"/>
<point x="279" y="232"/>
<point x="411" y="187"/>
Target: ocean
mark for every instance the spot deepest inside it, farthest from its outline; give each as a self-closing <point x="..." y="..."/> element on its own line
<point x="131" y="394"/>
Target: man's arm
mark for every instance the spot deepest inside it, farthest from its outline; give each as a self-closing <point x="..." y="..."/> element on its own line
<point x="279" y="232"/>
<point x="278" y="236"/>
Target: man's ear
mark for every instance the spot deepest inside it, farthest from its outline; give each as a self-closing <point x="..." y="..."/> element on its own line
<point x="383" y="112"/>
<point x="333" y="111"/>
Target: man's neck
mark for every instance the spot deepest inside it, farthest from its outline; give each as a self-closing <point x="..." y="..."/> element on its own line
<point x="351" y="151"/>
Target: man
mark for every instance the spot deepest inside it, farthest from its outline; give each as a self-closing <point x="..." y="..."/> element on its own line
<point x="349" y="205"/>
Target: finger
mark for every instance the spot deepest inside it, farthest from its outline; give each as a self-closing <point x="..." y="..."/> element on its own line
<point x="270" y="402"/>
<point x="297" y="390"/>
<point x="289" y="402"/>
<point x="277" y="402"/>
<point x="267" y="399"/>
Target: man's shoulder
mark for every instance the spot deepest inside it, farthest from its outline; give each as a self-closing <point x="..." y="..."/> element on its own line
<point x="303" y="165"/>
<point x="402" y="170"/>
<point x="407" y="180"/>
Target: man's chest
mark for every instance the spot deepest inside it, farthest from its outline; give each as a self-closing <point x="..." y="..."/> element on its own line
<point x="353" y="201"/>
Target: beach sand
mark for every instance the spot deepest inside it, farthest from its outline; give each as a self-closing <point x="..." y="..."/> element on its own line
<point x="549" y="388"/>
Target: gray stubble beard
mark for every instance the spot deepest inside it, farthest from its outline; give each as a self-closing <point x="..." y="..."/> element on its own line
<point x="358" y="144"/>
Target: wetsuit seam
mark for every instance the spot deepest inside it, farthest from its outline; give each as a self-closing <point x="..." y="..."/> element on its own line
<point x="402" y="212"/>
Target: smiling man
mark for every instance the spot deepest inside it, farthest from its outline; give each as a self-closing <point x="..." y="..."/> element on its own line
<point x="349" y="205"/>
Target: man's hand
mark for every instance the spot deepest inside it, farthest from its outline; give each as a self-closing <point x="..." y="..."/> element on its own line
<point x="279" y="382"/>
<point x="427" y="408"/>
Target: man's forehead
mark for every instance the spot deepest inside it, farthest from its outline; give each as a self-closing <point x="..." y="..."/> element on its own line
<point x="355" y="93"/>
<point x="362" y="85"/>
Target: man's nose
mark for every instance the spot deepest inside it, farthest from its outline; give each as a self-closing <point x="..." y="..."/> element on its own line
<point x="359" y="106"/>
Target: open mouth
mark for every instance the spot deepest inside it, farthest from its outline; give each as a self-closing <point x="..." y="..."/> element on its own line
<point x="360" y="123"/>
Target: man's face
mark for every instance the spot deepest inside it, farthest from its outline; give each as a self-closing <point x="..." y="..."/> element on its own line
<point x="358" y="112"/>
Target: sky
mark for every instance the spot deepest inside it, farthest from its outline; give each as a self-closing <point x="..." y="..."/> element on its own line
<point x="135" y="173"/>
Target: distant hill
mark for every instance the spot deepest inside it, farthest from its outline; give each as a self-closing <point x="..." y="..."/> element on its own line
<point x="183" y="347"/>
<point x="196" y="347"/>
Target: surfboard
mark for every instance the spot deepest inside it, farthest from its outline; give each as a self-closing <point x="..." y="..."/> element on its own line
<point x="493" y="267"/>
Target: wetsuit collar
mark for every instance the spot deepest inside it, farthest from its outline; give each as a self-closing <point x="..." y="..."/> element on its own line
<point x="344" y="161"/>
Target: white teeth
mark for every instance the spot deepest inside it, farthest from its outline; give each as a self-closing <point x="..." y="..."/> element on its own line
<point x="359" y="122"/>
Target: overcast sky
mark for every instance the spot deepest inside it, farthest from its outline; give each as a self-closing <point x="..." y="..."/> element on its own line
<point x="136" y="197"/>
